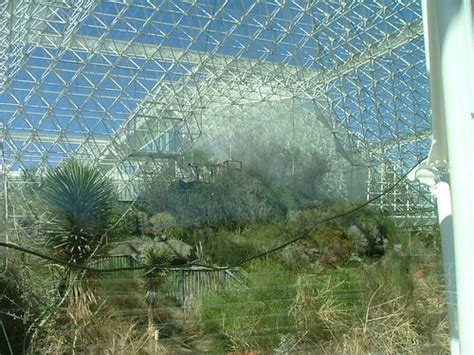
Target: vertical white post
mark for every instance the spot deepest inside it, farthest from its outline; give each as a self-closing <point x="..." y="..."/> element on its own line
<point x="448" y="29"/>
<point x="443" y="197"/>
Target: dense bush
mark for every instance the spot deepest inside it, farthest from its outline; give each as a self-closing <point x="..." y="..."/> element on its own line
<point x="15" y="309"/>
<point x="366" y="232"/>
<point x="233" y="198"/>
<point x="276" y="177"/>
<point x="229" y="247"/>
<point x="339" y="289"/>
<point x="125" y="222"/>
<point x="326" y="245"/>
<point x="297" y="175"/>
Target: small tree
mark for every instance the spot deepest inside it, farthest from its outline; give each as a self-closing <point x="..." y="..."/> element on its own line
<point x="157" y="261"/>
<point x="78" y="200"/>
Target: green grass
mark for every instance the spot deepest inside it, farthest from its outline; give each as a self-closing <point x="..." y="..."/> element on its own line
<point x="274" y="303"/>
<point x="376" y="306"/>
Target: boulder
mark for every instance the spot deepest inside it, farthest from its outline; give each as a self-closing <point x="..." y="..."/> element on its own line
<point x="181" y="250"/>
<point x="135" y="248"/>
<point x="124" y="249"/>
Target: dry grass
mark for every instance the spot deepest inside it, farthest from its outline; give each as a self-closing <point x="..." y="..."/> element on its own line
<point x="316" y="313"/>
<point x="386" y="333"/>
<point x="415" y="322"/>
<point x="104" y="335"/>
<point x="391" y="306"/>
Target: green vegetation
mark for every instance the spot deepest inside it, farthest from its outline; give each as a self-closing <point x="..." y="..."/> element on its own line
<point x="78" y="200"/>
<point x="384" y="307"/>
<point x="341" y="288"/>
<point x="232" y="199"/>
<point x="15" y="304"/>
<point x="158" y="261"/>
<point x="274" y="179"/>
<point x="79" y="203"/>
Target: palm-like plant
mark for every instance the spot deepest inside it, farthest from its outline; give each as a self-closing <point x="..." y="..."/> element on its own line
<point x="78" y="200"/>
<point x="157" y="261"/>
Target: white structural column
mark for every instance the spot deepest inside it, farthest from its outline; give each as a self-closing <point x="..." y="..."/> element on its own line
<point x="449" y="38"/>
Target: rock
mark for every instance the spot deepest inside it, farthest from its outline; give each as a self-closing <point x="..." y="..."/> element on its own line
<point x="180" y="249"/>
<point x="397" y="248"/>
<point x="123" y="249"/>
<point x="135" y="248"/>
<point x="161" y="238"/>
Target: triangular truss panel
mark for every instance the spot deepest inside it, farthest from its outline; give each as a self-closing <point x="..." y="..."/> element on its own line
<point x="131" y="85"/>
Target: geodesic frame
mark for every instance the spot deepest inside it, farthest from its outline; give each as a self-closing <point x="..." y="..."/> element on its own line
<point x="130" y="85"/>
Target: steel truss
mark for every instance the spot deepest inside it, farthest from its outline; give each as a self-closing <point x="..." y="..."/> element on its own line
<point x="118" y="83"/>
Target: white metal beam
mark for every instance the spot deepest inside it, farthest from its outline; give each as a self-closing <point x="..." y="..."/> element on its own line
<point x="44" y="137"/>
<point x="314" y="82"/>
<point x="90" y="44"/>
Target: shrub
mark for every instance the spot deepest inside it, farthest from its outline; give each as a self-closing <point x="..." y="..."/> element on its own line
<point x="15" y="308"/>
<point x="229" y="247"/>
<point x="163" y="221"/>
<point x="157" y="262"/>
<point x="125" y="222"/>
<point x="334" y="244"/>
<point x="395" y="304"/>
<point x="79" y="203"/>
<point x="78" y="199"/>
<point x="233" y="198"/>
<point x="323" y="307"/>
<point x="374" y="229"/>
<point x="276" y="309"/>
<point x="402" y="310"/>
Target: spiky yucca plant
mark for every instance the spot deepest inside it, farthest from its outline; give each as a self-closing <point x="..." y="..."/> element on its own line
<point x="78" y="200"/>
<point x="158" y="261"/>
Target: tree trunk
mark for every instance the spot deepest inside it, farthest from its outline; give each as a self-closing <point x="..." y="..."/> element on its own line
<point x="151" y="320"/>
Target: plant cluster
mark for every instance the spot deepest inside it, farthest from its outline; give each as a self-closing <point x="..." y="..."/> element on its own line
<point x="339" y="289"/>
<point x="232" y="199"/>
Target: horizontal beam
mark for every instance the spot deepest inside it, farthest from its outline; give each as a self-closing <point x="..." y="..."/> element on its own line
<point x="402" y="141"/>
<point x="56" y="138"/>
<point x="91" y="44"/>
<point x="372" y="52"/>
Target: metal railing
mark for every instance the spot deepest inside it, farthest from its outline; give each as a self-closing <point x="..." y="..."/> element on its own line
<point x="180" y="282"/>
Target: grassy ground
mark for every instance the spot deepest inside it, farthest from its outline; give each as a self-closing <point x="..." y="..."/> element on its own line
<point x="317" y="295"/>
<point x="394" y="305"/>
